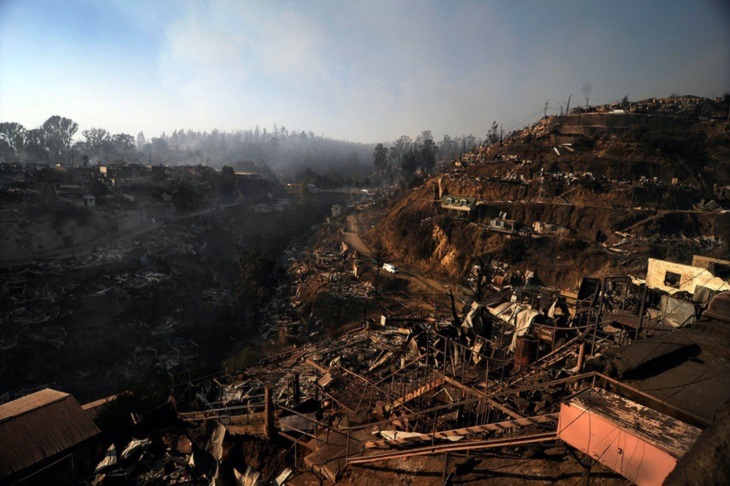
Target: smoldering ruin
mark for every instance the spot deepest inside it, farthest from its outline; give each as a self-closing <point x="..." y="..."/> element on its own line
<point x="549" y="306"/>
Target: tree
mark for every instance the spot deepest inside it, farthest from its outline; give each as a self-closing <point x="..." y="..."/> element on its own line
<point x="427" y="151"/>
<point x="95" y="137"/>
<point x="59" y="132"/>
<point x="35" y="145"/>
<point x="12" y="141"/>
<point x="141" y="141"/>
<point x="409" y="162"/>
<point x="493" y="134"/>
<point x="380" y="158"/>
<point x="122" y="145"/>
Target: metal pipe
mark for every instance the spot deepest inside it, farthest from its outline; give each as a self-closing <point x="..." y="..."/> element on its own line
<point x="581" y="356"/>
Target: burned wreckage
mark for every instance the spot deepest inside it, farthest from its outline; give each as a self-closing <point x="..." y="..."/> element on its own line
<point x="630" y="377"/>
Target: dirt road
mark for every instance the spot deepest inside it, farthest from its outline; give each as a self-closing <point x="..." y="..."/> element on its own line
<point x="352" y="238"/>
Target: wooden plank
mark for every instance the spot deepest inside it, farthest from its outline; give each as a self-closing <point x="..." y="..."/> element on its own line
<point x="466" y="431"/>
<point x="431" y="385"/>
<point x="443" y="448"/>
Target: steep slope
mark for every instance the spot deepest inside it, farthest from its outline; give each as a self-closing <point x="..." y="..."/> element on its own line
<point x="594" y="174"/>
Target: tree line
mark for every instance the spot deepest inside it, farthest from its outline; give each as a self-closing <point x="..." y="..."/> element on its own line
<point x="58" y="141"/>
<point x="407" y="157"/>
<point x="278" y="149"/>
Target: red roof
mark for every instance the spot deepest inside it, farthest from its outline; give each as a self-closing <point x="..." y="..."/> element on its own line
<point x="39" y="426"/>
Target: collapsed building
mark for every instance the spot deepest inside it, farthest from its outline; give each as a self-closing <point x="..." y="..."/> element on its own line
<point x="607" y="372"/>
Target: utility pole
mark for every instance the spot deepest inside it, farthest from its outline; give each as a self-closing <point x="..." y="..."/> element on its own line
<point x="586" y="103"/>
<point x="501" y="133"/>
<point x="546" y="105"/>
<point x="567" y="109"/>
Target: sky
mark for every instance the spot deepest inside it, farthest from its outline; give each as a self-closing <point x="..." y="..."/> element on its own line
<point x="366" y="71"/>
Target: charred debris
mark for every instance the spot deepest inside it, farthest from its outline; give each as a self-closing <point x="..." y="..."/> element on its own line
<point x="104" y="290"/>
<point x="368" y="375"/>
<point x="450" y="381"/>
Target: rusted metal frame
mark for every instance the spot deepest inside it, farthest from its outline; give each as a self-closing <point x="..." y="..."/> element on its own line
<point x="598" y="317"/>
<point x="338" y="402"/>
<point x="453" y="361"/>
<point x="370" y="399"/>
<point x="560" y="381"/>
<point x="542" y="363"/>
<point x="219" y="412"/>
<point x="464" y="431"/>
<point x="442" y="448"/>
<point x="317" y="423"/>
<point x="400" y="370"/>
<point x="294" y="439"/>
<point x="417" y="392"/>
<point x="385" y="393"/>
<point x="362" y="395"/>
<point x="491" y="401"/>
<point x="480" y="396"/>
<point x="468" y="349"/>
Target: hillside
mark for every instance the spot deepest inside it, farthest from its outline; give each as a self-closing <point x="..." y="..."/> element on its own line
<point x="622" y="185"/>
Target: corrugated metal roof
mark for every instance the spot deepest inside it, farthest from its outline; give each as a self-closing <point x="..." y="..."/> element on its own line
<point x="30" y="402"/>
<point x="38" y="426"/>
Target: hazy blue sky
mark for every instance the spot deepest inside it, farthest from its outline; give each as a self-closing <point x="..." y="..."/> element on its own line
<point x="364" y="71"/>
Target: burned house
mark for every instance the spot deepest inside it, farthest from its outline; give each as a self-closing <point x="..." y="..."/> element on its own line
<point x="503" y="225"/>
<point x="47" y="438"/>
<point x="547" y="229"/>
<point x="675" y="277"/>
<point x="458" y="206"/>
<point x="76" y="195"/>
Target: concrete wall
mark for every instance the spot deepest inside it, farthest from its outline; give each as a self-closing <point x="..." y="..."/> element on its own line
<point x="690" y="277"/>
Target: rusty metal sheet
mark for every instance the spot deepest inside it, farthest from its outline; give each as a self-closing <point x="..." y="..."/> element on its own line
<point x="39" y="426"/>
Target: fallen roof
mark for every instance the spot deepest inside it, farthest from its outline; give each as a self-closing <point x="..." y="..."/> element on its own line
<point x="39" y="426"/>
<point x="687" y="368"/>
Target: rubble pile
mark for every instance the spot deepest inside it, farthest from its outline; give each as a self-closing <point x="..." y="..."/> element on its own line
<point x="384" y="391"/>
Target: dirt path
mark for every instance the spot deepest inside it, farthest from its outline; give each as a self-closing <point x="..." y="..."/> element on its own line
<point x="352" y="235"/>
<point x="352" y="238"/>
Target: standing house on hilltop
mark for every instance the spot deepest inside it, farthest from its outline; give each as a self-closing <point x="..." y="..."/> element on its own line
<point x="458" y="206"/>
